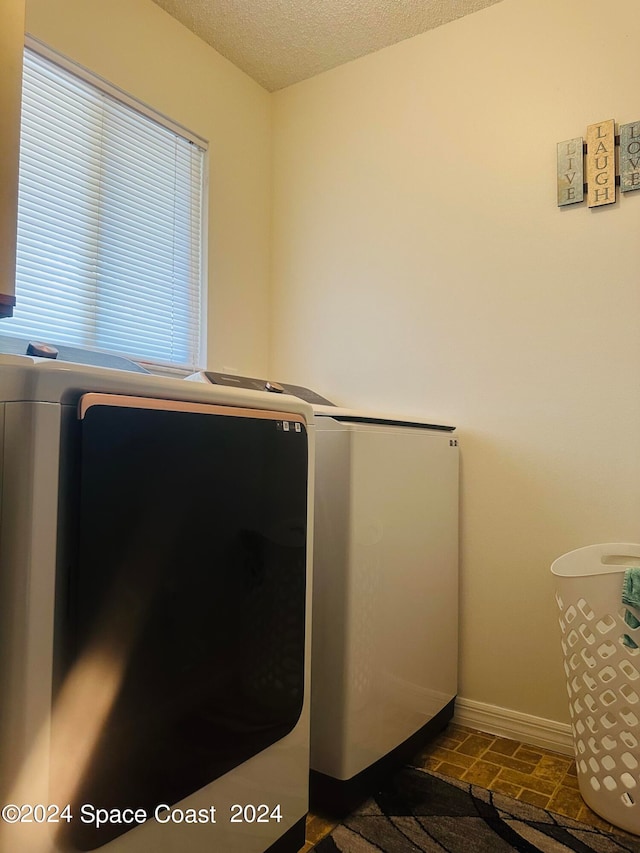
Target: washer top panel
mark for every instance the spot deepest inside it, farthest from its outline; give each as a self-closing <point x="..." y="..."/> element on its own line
<point x="33" y="379"/>
<point x="76" y="355"/>
<point x="249" y="382"/>
<point x="321" y="406"/>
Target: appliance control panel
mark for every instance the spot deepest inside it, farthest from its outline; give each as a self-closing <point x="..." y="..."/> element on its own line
<point x="252" y="384"/>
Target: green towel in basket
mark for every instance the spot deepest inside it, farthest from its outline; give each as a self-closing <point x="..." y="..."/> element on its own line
<point x="631" y="597"/>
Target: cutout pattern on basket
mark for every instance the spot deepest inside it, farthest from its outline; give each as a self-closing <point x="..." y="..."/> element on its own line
<point x="604" y="698"/>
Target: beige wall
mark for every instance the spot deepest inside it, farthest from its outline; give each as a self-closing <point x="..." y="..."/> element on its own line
<point x="421" y="266"/>
<point x="141" y="49"/>
<point x="11" y="28"/>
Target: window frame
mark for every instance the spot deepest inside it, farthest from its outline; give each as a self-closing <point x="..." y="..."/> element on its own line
<point x="121" y="96"/>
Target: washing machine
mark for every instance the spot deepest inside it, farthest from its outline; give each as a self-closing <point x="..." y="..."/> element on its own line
<point x="385" y="614"/>
<point x="155" y="593"/>
<point x="385" y="597"/>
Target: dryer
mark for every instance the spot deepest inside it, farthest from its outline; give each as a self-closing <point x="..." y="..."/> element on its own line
<point x="155" y="591"/>
<point x="385" y="596"/>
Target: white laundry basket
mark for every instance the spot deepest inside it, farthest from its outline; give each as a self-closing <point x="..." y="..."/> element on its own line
<point x="603" y="678"/>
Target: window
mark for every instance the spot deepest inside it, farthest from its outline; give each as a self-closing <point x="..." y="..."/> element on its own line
<point x="109" y="222"/>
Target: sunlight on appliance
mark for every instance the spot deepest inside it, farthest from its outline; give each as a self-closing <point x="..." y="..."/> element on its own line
<point x="66" y="743"/>
<point x="61" y="755"/>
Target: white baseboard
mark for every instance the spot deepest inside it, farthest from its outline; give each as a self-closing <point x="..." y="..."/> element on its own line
<point x="503" y="722"/>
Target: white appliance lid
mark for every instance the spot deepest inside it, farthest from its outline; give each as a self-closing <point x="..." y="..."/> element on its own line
<point x="363" y="417"/>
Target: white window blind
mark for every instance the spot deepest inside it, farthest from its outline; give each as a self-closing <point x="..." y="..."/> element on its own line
<point x="109" y="224"/>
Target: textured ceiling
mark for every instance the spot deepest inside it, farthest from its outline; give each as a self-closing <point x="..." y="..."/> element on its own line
<point x="280" y="42"/>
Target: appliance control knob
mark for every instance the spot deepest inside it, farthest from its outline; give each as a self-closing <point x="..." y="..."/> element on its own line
<point x="274" y="387"/>
<point x="42" y="350"/>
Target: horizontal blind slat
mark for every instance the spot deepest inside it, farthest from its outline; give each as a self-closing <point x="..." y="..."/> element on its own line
<point x="109" y="223"/>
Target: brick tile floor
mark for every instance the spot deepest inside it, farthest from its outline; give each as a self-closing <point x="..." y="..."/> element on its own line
<point x="531" y="774"/>
<point x="528" y="773"/>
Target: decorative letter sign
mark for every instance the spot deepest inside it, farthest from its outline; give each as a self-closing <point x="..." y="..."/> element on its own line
<point x="600" y="169"/>
<point x="601" y="163"/>
<point x="570" y="171"/>
<point x="630" y="157"/>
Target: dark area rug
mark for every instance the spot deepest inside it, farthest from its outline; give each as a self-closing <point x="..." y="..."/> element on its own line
<point x="423" y="812"/>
